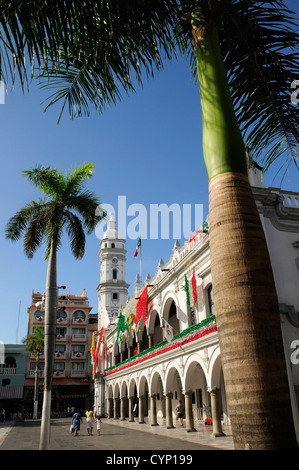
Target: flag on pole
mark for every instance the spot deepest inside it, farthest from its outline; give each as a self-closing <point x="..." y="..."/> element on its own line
<point x="181" y="315"/>
<point x="141" y="308"/>
<point x="187" y="291"/>
<point x="137" y="246"/>
<point x="106" y="348"/>
<point x="168" y="331"/>
<point x="194" y="287"/>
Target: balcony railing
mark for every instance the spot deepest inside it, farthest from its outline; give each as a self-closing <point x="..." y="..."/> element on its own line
<point x="79" y="336"/>
<point x="8" y="370"/>
<point x="78" y="373"/>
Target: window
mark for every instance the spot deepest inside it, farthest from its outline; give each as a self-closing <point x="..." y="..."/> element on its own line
<point x="60" y="349"/>
<point x="39" y="316"/>
<point x="10" y="362"/>
<point x="78" y="368"/>
<point x="78" y="350"/>
<point x="79" y="316"/>
<point x="60" y="333"/>
<point x="59" y="368"/>
<point x="61" y="316"/>
<point x="112" y="245"/>
<point x="114" y="274"/>
<point x="115" y="296"/>
<point x="78" y="333"/>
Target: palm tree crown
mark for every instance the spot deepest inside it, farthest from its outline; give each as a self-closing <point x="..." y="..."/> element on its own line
<point x="35" y="342"/>
<point x="94" y="51"/>
<point x="66" y="206"/>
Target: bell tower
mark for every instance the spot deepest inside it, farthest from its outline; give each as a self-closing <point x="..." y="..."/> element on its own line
<point x="112" y="289"/>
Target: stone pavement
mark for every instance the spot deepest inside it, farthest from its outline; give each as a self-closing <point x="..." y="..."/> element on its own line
<point x="115" y="435"/>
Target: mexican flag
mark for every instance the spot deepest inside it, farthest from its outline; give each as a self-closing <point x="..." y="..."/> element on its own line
<point x="138" y="246"/>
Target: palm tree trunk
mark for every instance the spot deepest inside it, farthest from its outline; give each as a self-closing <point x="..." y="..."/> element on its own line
<point x="36" y="386"/>
<point x="245" y="299"/>
<point x="50" y="341"/>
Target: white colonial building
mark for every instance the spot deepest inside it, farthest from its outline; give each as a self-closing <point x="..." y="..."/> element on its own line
<point x="145" y="372"/>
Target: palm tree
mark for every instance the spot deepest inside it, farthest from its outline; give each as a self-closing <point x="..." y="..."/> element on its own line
<point x="93" y="51"/>
<point x="245" y="61"/>
<point x="66" y="206"/>
<point x="246" y="305"/>
<point x="35" y="345"/>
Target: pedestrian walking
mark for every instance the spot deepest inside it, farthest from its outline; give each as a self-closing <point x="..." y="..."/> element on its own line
<point x="99" y="425"/>
<point x="89" y="421"/>
<point x="180" y="411"/>
<point x="76" y="420"/>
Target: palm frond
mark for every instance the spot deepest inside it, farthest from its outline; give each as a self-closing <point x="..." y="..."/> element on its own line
<point x="86" y="204"/>
<point x="20" y="221"/>
<point x="76" y="234"/>
<point x="259" y="42"/>
<point x="78" y="176"/>
<point x="49" y="181"/>
<point x="113" y="38"/>
<point x="35" y="232"/>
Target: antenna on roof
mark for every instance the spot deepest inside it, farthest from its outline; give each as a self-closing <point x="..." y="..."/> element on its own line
<point x="17" y="330"/>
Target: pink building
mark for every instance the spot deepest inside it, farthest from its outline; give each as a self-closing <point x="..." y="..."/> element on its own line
<point x="72" y="385"/>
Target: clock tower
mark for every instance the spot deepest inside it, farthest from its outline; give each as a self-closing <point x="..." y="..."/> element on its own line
<point x="112" y="289"/>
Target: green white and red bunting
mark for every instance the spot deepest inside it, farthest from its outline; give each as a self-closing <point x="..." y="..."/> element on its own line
<point x="137" y="247"/>
<point x="141" y="308"/>
<point x="194" y="291"/>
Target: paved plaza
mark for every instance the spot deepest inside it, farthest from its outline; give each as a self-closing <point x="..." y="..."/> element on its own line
<point x="115" y="436"/>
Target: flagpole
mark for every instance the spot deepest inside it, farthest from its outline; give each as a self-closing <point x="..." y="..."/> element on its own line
<point x="140" y="261"/>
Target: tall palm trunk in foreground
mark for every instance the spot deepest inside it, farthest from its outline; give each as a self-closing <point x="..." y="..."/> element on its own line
<point x="246" y="304"/>
<point x="51" y="305"/>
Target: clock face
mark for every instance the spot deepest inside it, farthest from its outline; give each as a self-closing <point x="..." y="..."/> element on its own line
<point x="114" y="260"/>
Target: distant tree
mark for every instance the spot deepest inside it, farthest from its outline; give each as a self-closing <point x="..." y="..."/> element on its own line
<point x="35" y="345"/>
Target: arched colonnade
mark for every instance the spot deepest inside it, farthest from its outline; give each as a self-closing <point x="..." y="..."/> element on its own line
<point x="151" y="394"/>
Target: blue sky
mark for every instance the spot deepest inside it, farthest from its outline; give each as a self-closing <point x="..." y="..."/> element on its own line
<point x="147" y="148"/>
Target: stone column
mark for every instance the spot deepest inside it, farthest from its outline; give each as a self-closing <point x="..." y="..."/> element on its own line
<point x="215" y="410"/>
<point x="123" y="409"/>
<point x="100" y="404"/>
<point x="131" y="413"/>
<point x="188" y="411"/>
<point x="141" y="409"/>
<point x="153" y="411"/>
<point x="169" y="420"/>
<point x="109" y="408"/>
<point x="116" y="403"/>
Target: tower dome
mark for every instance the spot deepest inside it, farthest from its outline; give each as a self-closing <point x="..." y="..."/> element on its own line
<point x="111" y="232"/>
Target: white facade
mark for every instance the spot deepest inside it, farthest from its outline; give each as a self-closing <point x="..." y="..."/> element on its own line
<point x="112" y="290"/>
<point x="189" y="367"/>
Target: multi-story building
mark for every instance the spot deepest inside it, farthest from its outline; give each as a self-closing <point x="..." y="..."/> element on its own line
<point x="147" y="370"/>
<point x="12" y="378"/>
<point x="71" y="386"/>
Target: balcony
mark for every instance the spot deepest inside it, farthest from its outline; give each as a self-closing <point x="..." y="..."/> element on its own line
<point x="59" y="373"/>
<point x="60" y="355"/>
<point x="78" y="335"/>
<point x="186" y="337"/>
<point x="78" y="355"/>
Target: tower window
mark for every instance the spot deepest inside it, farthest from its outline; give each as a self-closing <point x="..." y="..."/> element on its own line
<point x="114" y="274"/>
<point x="112" y="245"/>
<point x="115" y="296"/>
